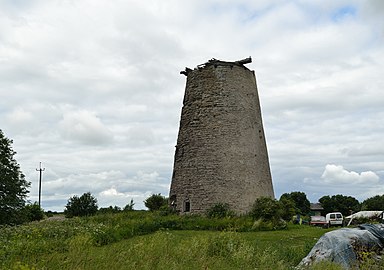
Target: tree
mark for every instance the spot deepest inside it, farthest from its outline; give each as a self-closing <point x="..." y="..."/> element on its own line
<point x="85" y="205"/>
<point x="155" y="202"/>
<point x="13" y="186"/>
<point x="374" y="203"/>
<point x="340" y="203"/>
<point x="288" y="208"/>
<point x="327" y="204"/>
<point x="302" y="205"/>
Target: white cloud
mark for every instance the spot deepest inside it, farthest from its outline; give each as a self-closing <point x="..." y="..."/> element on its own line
<point x="146" y="177"/>
<point x="20" y="116"/>
<point x="336" y="174"/>
<point x="84" y="126"/>
<point x="112" y="192"/>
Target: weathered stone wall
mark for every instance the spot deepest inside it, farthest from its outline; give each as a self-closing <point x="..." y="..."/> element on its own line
<point x="221" y="154"/>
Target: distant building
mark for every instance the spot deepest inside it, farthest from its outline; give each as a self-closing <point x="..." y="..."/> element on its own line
<point x="221" y="154"/>
<point x="317" y="209"/>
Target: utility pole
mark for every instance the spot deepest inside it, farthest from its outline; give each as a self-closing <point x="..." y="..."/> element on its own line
<point x="40" y="170"/>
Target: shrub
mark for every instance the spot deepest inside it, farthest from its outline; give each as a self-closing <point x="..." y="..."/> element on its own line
<point x="111" y="209"/>
<point x="85" y="205"/>
<point x="49" y="213"/>
<point x="220" y="210"/>
<point x="269" y="225"/>
<point x="33" y="212"/>
<point x="166" y="210"/>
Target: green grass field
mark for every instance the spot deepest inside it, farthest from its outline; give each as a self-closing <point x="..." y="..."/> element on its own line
<point x="144" y="241"/>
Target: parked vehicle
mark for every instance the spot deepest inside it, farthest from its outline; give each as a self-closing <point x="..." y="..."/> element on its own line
<point x="319" y="221"/>
<point x="335" y="219"/>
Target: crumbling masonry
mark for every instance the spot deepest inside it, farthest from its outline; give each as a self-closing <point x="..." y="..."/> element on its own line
<point x="221" y="154"/>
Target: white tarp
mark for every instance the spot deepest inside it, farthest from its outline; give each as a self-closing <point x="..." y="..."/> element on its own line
<point x="364" y="214"/>
<point x="342" y="246"/>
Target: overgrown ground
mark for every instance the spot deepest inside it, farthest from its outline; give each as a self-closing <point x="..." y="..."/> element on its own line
<point x="143" y="240"/>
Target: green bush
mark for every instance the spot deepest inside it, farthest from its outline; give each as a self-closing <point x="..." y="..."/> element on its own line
<point x="49" y="213"/>
<point x="268" y="215"/>
<point x="220" y="210"/>
<point x="269" y="225"/>
<point x="110" y="209"/>
<point x="33" y="212"/>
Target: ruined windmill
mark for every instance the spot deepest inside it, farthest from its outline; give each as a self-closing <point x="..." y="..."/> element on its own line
<point x="221" y="154"/>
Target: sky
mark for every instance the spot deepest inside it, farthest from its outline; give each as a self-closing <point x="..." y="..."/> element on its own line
<point x="91" y="88"/>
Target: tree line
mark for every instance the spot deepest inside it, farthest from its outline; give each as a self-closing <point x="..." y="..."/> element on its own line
<point x="346" y="205"/>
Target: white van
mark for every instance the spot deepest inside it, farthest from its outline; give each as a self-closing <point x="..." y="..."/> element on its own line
<point x="334" y="219"/>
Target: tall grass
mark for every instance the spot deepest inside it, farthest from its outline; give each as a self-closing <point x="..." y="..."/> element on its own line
<point x="144" y="240"/>
<point x="169" y="250"/>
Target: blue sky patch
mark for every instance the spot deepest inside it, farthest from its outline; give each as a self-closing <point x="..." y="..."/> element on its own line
<point x="344" y="12"/>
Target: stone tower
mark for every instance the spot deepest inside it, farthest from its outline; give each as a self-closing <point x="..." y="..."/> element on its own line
<point x="221" y="155"/>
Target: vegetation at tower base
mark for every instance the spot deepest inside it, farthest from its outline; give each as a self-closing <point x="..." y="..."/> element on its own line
<point x="220" y="210"/>
<point x="85" y="205"/>
<point x="266" y="208"/>
<point x="268" y="213"/>
<point x="13" y="186"/>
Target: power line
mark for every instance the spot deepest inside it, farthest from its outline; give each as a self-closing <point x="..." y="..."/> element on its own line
<point x="40" y="170"/>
